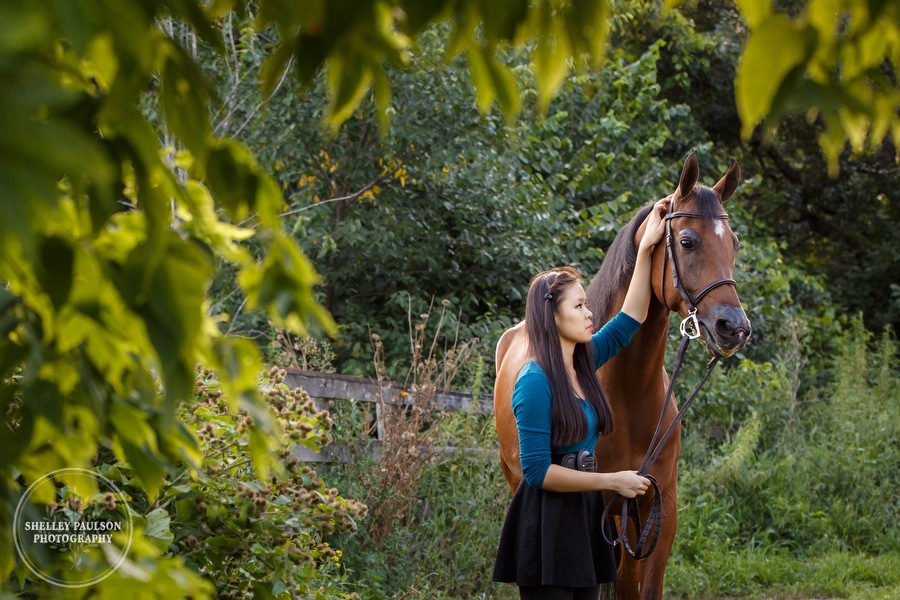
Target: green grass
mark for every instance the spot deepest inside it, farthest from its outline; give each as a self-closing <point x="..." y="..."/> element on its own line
<point x="763" y="573"/>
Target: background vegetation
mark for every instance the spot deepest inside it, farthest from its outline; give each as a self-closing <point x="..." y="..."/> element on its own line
<point x="163" y="208"/>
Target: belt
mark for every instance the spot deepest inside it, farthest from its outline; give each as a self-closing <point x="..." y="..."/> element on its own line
<point x="582" y="461"/>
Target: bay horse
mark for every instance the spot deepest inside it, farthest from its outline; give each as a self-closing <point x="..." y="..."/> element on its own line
<point x="635" y="380"/>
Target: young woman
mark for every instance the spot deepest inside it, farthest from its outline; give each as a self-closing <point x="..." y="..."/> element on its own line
<point x="551" y="545"/>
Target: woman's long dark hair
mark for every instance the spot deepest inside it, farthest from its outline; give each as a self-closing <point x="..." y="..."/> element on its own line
<point x="569" y="421"/>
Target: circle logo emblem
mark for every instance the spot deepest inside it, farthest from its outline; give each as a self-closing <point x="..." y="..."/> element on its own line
<point x="84" y="534"/>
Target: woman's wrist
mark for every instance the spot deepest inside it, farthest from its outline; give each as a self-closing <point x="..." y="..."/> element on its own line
<point x="606" y="482"/>
<point x="645" y="250"/>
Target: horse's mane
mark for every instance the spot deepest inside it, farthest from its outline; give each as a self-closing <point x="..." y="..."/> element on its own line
<point x="618" y="264"/>
<point x="615" y="270"/>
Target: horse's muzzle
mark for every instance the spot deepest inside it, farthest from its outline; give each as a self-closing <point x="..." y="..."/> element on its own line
<point x="727" y="329"/>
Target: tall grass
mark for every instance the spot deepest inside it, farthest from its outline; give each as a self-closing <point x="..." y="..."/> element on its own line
<point x="803" y="497"/>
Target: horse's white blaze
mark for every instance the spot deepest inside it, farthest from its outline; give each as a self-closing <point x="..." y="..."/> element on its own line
<point x="720" y="228"/>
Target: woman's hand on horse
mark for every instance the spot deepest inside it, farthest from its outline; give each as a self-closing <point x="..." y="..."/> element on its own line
<point x="655" y="223"/>
<point x="629" y="484"/>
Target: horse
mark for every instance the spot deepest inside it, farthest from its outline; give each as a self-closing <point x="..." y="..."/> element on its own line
<point x="635" y="380"/>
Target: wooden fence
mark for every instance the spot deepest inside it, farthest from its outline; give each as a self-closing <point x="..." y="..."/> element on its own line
<point x="325" y="389"/>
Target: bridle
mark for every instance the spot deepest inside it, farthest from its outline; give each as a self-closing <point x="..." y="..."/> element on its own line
<point x="689" y="326"/>
<point x="690" y="330"/>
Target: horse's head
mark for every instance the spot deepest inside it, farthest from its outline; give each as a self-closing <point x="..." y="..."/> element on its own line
<point x="694" y="267"/>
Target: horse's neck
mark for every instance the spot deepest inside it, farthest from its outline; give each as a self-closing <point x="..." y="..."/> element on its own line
<point x="638" y="367"/>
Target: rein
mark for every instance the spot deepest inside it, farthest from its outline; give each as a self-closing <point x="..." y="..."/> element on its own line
<point x="690" y="330"/>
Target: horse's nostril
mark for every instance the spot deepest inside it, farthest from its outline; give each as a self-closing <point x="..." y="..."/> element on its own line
<point x="724" y="327"/>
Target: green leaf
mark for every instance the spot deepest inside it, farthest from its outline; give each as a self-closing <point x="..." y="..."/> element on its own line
<point x="506" y="87"/>
<point x="284" y="286"/>
<point x="238" y="184"/>
<point x="171" y="305"/>
<point x="588" y="25"/>
<point x="551" y="58"/>
<point x="484" y="88"/>
<point x="238" y="361"/>
<point x="130" y="423"/>
<point x="148" y="468"/>
<point x="80" y="482"/>
<point x="761" y="72"/>
<point x="755" y="11"/>
<point x="44" y="400"/>
<point x="500" y="20"/>
<point x="185" y="100"/>
<point x="54" y="269"/>
<point x="158" y="529"/>
<point x="419" y="14"/>
<point x="349" y="79"/>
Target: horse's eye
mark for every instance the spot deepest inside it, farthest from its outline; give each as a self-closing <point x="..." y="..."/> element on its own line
<point x="688" y="243"/>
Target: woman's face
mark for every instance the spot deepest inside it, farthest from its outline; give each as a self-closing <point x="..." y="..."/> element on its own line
<point x="573" y="319"/>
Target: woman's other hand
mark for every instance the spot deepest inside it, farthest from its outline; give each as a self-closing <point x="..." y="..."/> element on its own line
<point x="629" y="484"/>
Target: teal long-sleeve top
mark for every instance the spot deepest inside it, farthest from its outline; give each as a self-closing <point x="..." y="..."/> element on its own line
<point x="532" y="402"/>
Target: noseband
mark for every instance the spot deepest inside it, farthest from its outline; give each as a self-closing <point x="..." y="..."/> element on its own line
<point x="689" y="326"/>
<point x="690" y="329"/>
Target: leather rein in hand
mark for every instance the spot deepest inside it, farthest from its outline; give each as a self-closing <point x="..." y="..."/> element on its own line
<point x="690" y="330"/>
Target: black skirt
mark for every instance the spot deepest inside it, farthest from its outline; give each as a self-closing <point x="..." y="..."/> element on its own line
<point x="554" y="538"/>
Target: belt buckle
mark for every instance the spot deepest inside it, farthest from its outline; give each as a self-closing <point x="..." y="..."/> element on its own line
<point x="587" y="461"/>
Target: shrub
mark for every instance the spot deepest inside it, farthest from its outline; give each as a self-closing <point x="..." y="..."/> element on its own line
<point x="801" y="477"/>
<point x="252" y="536"/>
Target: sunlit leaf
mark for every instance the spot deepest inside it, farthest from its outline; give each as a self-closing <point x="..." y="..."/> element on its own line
<point x="481" y="78"/>
<point x="184" y="99"/>
<point x="283" y="285"/>
<point x="755" y="12"/>
<point x="761" y="73"/>
<point x="349" y="79"/>
<point x="588" y="26"/>
<point x="551" y="61"/>
<point x="147" y="466"/>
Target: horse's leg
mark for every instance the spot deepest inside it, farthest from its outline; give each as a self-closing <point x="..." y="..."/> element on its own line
<point x="629" y="585"/>
<point x="643" y="580"/>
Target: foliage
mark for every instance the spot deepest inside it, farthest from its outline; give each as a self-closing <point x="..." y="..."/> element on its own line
<point x="837" y="61"/>
<point x="257" y="538"/>
<point x="446" y="543"/>
<point x="316" y="33"/>
<point x="408" y="430"/>
<point x="108" y="242"/>
<point x="252" y="537"/>
<point x="837" y="226"/>
<point x="465" y="205"/>
<point x="803" y="476"/>
<point x="426" y="480"/>
<point x="797" y="501"/>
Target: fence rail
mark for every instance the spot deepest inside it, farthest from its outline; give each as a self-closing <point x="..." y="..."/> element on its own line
<point x="326" y="388"/>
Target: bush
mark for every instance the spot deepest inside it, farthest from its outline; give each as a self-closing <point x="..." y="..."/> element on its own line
<point x="801" y="477"/>
<point x="255" y="530"/>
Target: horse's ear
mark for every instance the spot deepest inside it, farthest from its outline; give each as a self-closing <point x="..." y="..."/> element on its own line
<point x="729" y="182"/>
<point x="690" y="174"/>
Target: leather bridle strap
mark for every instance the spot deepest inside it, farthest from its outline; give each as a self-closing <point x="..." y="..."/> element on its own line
<point x="649" y="533"/>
